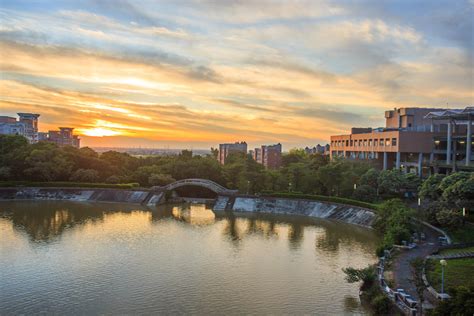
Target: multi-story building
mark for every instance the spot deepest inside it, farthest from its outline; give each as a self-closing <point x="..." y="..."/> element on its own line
<point x="63" y="137"/>
<point x="319" y="149"/>
<point x="27" y="126"/>
<point x="420" y="140"/>
<point x="268" y="155"/>
<point x="227" y="149"/>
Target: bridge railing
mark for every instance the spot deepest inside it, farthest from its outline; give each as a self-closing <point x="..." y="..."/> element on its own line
<point x="199" y="182"/>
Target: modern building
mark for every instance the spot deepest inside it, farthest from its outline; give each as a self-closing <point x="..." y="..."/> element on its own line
<point x="63" y="137"/>
<point x="319" y="149"/>
<point x="230" y="148"/>
<point x="26" y="125"/>
<point x="268" y="155"/>
<point x="421" y="140"/>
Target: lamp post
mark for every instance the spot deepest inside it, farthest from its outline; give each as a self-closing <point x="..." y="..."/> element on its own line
<point x="289" y="187"/>
<point x="443" y="264"/>
<point x="248" y="186"/>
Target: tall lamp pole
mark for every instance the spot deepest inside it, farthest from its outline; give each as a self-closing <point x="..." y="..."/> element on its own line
<point x="443" y="264"/>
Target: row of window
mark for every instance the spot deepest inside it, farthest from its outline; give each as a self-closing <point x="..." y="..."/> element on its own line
<point x="365" y="142"/>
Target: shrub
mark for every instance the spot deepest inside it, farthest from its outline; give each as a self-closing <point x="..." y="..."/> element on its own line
<point x="112" y="179"/>
<point x="365" y="193"/>
<point x="381" y="304"/>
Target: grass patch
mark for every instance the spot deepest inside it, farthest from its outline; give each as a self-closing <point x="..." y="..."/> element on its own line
<point x="458" y="272"/>
<point x="323" y="198"/>
<point x="456" y="250"/>
<point x="7" y="184"/>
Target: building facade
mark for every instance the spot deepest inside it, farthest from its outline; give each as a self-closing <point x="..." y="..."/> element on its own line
<point x="268" y="155"/>
<point x="230" y="148"/>
<point x="26" y="125"/>
<point x="319" y="149"/>
<point x="63" y="137"/>
<point x="420" y="140"/>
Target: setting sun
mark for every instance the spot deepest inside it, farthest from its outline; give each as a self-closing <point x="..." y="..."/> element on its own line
<point x="99" y="132"/>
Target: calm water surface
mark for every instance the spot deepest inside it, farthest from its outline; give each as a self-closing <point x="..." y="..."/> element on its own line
<point x="79" y="258"/>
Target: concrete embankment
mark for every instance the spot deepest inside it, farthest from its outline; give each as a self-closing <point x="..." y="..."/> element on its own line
<point x="82" y="194"/>
<point x="346" y="213"/>
<point x="349" y="214"/>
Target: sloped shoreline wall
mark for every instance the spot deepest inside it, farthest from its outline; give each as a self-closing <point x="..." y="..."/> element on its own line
<point x="346" y="213"/>
<point x="82" y="194"/>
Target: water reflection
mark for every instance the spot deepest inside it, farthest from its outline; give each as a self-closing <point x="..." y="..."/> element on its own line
<point x="128" y="259"/>
<point x="196" y="214"/>
<point x="47" y="220"/>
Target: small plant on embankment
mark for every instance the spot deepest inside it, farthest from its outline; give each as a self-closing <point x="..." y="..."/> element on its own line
<point x="371" y="292"/>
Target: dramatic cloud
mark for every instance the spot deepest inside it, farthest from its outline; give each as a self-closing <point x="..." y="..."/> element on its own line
<point x="196" y="73"/>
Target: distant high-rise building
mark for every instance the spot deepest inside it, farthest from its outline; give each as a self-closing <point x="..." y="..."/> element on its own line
<point x="268" y="155"/>
<point x="27" y="126"/>
<point x="227" y="149"/>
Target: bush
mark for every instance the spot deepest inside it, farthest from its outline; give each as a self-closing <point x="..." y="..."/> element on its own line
<point x="381" y="304"/>
<point x="365" y="193"/>
<point x="112" y="180"/>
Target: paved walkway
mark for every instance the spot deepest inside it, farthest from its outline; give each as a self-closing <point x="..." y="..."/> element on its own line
<point x="402" y="270"/>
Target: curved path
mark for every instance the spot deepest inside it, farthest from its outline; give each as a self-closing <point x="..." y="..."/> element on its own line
<point x="402" y="270"/>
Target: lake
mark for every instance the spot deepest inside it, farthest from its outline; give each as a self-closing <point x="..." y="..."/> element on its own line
<point x="105" y="258"/>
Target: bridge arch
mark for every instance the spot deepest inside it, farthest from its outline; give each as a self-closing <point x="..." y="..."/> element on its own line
<point x="204" y="183"/>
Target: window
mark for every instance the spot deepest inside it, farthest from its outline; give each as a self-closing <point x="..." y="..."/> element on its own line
<point x="365" y="142"/>
<point x="352" y="143"/>
<point x="394" y="142"/>
<point x="360" y="142"/>
<point x="381" y="142"/>
<point x="370" y="143"/>
<point x="347" y="143"/>
<point x="387" y="141"/>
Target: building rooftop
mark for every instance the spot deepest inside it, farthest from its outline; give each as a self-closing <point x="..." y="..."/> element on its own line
<point x="459" y="114"/>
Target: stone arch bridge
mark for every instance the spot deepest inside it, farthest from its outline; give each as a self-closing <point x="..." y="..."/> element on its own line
<point x="204" y="183"/>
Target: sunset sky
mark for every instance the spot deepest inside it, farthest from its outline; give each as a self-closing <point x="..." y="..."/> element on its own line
<point x="192" y="74"/>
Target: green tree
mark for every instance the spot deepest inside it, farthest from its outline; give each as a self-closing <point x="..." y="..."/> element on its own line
<point x="460" y="304"/>
<point x="430" y="189"/>
<point x="85" y="175"/>
<point x="160" y="179"/>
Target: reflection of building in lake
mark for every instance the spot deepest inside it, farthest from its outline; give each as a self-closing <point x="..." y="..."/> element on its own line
<point x="196" y="214"/>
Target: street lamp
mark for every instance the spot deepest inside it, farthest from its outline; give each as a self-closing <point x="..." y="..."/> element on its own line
<point x="248" y="186"/>
<point x="443" y="264"/>
<point x="289" y="187"/>
<point x="355" y="186"/>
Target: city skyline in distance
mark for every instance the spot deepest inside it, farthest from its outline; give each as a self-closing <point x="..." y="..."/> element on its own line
<point x="193" y="75"/>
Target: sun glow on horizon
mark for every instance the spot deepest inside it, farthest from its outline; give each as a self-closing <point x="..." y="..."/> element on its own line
<point x="99" y="132"/>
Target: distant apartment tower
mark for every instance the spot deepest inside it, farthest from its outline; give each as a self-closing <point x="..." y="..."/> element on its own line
<point x="27" y="126"/>
<point x="268" y="155"/>
<point x="421" y="140"/>
<point x="227" y="149"/>
<point x="319" y="149"/>
<point x="63" y="137"/>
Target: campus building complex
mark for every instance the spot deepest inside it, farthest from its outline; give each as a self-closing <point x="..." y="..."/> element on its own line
<point x="268" y="155"/>
<point x="63" y="137"/>
<point x="227" y="149"/>
<point x="421" y="140"/>
<point x="26" y="125"/>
